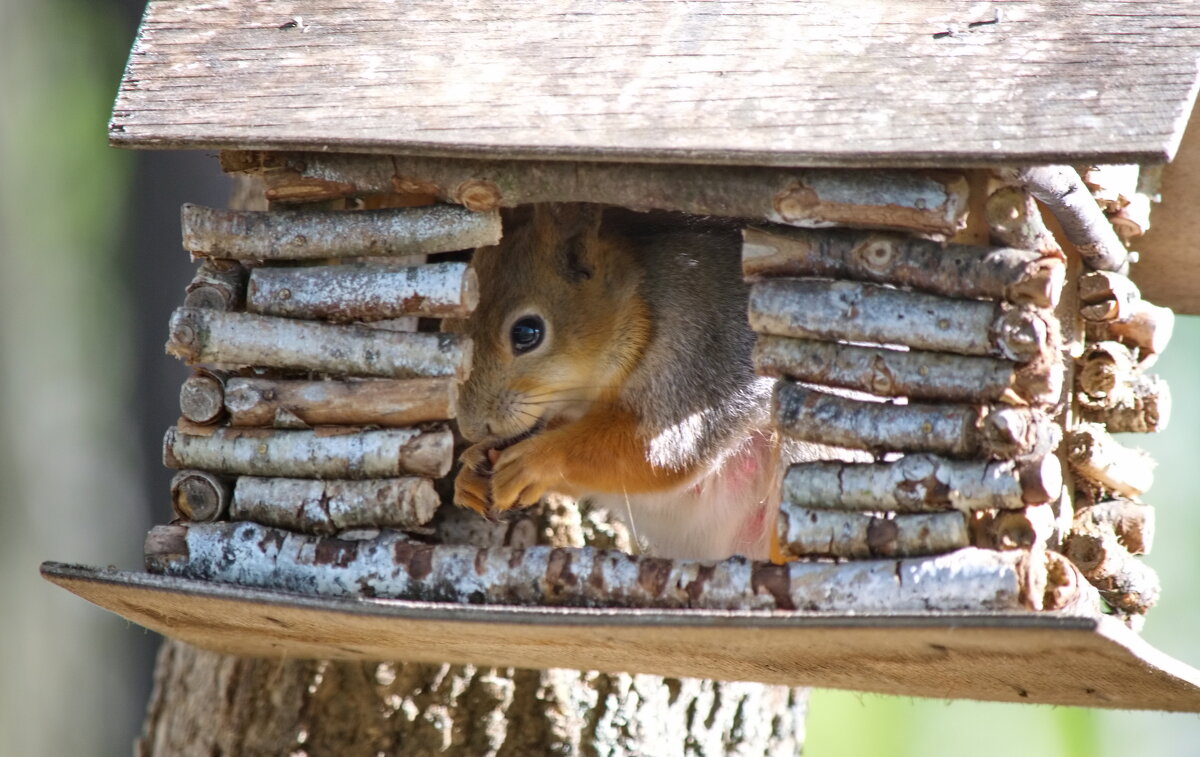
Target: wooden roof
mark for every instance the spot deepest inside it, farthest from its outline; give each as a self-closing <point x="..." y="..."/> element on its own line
<point x="757" y="82"/>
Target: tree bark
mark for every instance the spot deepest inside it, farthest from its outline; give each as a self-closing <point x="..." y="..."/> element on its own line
<point x="1106" y="463"/>
<point x="311" y="234"/>
<point x="240" y="339"/>
<point x="298" y="404"/>
<point x="855" y="312"/>
<point x="363" y="291"/>
<point x="1142" y="405"/>
<point x="355" y="452"/>
<point x="1132" y="522"/>
<point x="206" y="704"/>
<point x="956" y="270"/>
<point x="390" y="565"/>
<point x="202" y="396"/>
<point x="217" y="285"/>
<point x="329" y="507"/>
<point x="999" y="433"/>
<point x="922" y="483"/>
<point x="1014" y="220"/>
<point x="1141" y="325"/>
<point x="1082" y="220"/>
<point x="1029" y="528"/>
<point x="807" y="532"/>
<point x="199" y="496"/>
<point x="1104" y="367"/>
<point x="909" y="373"/>
<point x="929" y="202"/>
<point x="1125" y="582"/>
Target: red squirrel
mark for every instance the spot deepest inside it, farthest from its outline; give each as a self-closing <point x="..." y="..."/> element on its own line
<point x="612" y="361"/>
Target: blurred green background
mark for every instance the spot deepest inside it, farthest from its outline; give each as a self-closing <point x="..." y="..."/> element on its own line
<point x="90" y="265"/>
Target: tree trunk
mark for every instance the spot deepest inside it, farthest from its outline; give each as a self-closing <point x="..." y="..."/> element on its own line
<point x="207" y="704"/>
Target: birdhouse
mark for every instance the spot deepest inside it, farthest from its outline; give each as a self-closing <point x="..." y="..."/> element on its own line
<point x="941" y="211"/>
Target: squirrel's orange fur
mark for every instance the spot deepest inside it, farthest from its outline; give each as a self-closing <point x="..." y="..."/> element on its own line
<point x="640" y="393"/>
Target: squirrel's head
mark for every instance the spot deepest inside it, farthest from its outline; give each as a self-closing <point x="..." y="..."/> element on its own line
<point x="559" y="323"/>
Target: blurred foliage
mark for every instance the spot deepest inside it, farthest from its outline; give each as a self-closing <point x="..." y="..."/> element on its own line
<point x="68" y="468"/>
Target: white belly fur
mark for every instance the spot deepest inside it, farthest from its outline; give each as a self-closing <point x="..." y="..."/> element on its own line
<point x="728" y="510"/>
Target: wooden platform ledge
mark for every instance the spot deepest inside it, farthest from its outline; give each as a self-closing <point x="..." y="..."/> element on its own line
<point x="1010" y="657"/>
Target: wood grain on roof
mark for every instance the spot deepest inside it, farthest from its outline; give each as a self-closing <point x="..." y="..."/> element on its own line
<point x="918" y="82"/>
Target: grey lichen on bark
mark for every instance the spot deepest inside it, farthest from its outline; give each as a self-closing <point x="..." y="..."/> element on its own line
<point x="953" y="430"/>
<point x="363" y="291"/>
<point x="908" y="373"/>
<point x="968" y="271"/>
<point x="869" y="313"/>
<point x="198" y="335"/>
<point x="309" y="234"/>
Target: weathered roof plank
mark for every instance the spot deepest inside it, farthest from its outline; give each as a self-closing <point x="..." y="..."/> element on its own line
<point x="920" y="82"/>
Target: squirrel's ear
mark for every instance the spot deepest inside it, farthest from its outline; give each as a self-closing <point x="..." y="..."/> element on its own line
<point x="576" y="228"/>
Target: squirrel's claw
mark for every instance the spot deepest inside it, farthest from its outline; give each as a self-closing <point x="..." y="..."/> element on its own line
<point x="523" y="473"/>
<point x="472" y="486"/>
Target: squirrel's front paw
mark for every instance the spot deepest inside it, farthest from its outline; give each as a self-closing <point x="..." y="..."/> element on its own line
<point x="472" y="486"/>
<point x="524" y="472"/>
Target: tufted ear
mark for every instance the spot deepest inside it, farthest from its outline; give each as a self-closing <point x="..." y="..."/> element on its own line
<point x="574" y="231"/>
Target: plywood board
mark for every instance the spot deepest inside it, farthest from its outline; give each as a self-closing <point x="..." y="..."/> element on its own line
<point x="1168" y="272"/>
<point x="752" y="82"/>
<point x="1011" y="657"/>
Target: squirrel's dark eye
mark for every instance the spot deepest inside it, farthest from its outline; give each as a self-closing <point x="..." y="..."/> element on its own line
<point x="527" y="333"/>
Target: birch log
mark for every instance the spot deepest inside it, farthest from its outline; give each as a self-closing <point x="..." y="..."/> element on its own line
<point x="1062" y="191"/>
<point x="1133" y="220"/>
<point x="202" y="396"/>
<point x="1098" y="286"/>
<point x="805" y="532"/>
<point x="1015" y="220"/>
<point x="316" y="234"/>
<point x="1141" y="404"/>
<point x="199" y="496"/>
<point x="954" y="270"/>
<point x="1124" y="581"/>
<point x="356" y="454"/>
<point x="239" y="339"/>
<point x="1104" y="367"/>
<point x="1116" y="190"/>
<point x="1066" y="588"/>
<point x="1132" y="522"/>
<point x="1028" y="528"/>
<point x="909" y="373"/>
<point x="327" y="507"/>
<point x="922" y="483"/>
<point x="853" y="312"/>
<point x="927" y="202"/>
<point x="1109" y="310"/>
<point x="391" y="566"/>
<point x="1145" y="327"/>
<point x="953" y="430"/>
<point x="218" y="285"/>
<point x="1106" y="463"/>
<point x="363" y="291"/>
<point x="376" y="402"/>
